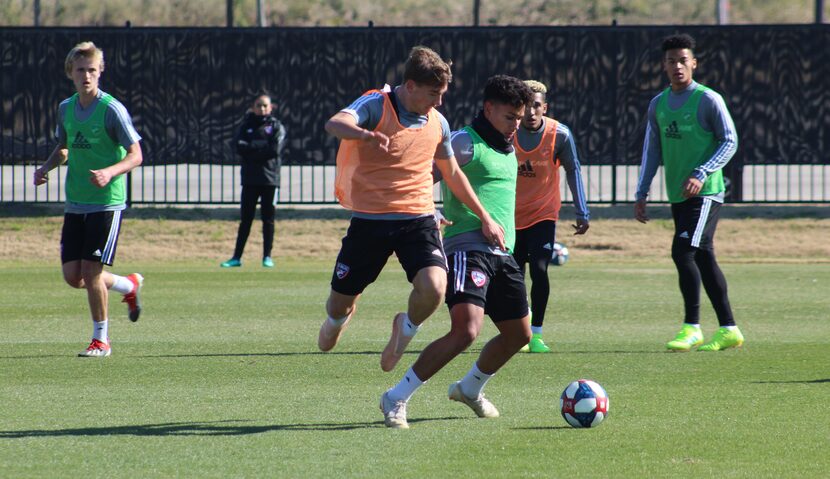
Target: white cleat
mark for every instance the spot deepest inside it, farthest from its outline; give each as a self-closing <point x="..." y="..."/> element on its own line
<point x="394" y="412"/>
<point x="481" y="406"/>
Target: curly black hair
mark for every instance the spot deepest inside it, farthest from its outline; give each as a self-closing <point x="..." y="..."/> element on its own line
<point x="507" y="90"/>
<point x="681" y="40"/>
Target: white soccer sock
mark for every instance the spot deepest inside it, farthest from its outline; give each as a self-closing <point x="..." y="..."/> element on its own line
<point x="474" y="382"/>
<point x="731" y="328"/>
<point x="690" y="324"/>
<point x="409" y="328"/>
<point x="120" y="284"/>
<point x="100" y="330"/>
<point x="536" y="329"/>
<point x="406" y="388"/>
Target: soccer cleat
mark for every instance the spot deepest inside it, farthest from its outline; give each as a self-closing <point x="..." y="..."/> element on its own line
<point x="536" y="345"/>
<point x="267" y="262"/>
<point x="232" y="263"/>
<point x="394" y="412"/>
<point x="96" y="349"/>
<point x="330" y="334"/>
<point x="525" y="349"/>
<point x="481" y="406"/>
<point x="724" y="338"/>
<point x="688" y="338"/>
<point x="133" y="298"/>
<point x="396" y="346"/>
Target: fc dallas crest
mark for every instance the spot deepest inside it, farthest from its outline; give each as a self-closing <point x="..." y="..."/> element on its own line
<point x="341" y="270"/>
<point x="478" y="278"/>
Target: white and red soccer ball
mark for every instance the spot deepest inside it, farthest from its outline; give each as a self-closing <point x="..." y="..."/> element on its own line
<point x="584" y="403"/>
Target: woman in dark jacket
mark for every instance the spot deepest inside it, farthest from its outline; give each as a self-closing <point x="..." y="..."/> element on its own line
<point x="259" y="143"/>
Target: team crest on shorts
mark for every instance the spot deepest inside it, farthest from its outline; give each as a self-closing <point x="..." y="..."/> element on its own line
<point x="478" y="278"/>
<point x="341" y="270"/>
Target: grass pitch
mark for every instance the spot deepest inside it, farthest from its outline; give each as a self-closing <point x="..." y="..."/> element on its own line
<point x="221" y="377"/>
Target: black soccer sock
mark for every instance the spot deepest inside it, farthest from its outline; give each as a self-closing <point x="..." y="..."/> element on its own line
<point x="689" y="279"/>
<point x="714" y="282"/>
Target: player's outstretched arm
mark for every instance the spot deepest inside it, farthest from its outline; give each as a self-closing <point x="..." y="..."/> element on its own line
<point x="460" y="187"/>
<point x="58" y="157"/>
<point x="344" y="126"/>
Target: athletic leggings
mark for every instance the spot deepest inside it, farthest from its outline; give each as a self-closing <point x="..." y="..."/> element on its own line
<point x="695" y="265"/>
<point x="534" y="246"/>
<point x="250" y="195"/>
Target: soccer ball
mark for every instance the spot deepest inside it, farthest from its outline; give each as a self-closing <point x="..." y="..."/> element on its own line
<point x="559" y="255"/>
<point x="584" y="403"/>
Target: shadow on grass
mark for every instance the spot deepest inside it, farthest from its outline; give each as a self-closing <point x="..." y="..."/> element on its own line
<point x="293" y="353"/>
<point x="321" y="353"/>
<point x="364" y="353"/>
<point x="539" y="428"/>
<point x="213" y="428"/>
<point x="808" y="381"/>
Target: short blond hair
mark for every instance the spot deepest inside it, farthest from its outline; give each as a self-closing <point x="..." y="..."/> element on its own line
<point x="537" y="86"/>
<point x="83" y="50"/>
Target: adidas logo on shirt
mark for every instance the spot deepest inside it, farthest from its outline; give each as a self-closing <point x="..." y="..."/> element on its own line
<point x="526" y="169"/>
<point x="80" y="142"/>
<point x="673" y="132"/>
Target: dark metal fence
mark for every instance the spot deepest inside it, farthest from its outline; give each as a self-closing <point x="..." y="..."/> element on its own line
<point x="188" y="88"/>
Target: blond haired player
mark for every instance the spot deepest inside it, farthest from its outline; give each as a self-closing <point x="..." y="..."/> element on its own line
<point x="97" y="140"/>
<point x="543" y="145"/>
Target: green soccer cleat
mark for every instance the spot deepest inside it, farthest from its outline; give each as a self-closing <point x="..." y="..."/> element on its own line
<point x="688" y="338"/>
<point x="725" y="338"/>
<point x="536" y="344"/>
<point x="267" y="262"/>
<point x="232" y="263"/>
<point x="525" y="349"/>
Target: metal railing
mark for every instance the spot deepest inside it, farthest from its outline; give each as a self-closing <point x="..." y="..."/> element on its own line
<point x="203" y="184"/>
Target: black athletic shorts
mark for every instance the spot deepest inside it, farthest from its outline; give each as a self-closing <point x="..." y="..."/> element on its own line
<point x="695" y="221"/>
<point x="535" y="242"/>
<point x="90" y="236"/>
<point x="491" y="281"/>
<point x="369" y="243"/>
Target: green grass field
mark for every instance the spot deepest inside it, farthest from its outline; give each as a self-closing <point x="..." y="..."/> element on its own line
<point x="221" y="377"/>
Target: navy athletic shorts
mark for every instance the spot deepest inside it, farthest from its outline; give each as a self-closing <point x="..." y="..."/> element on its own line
<point x="369" y="243"/>
<point x="695" y="221"/>
<point x="493" y="282"/>
<point x="90" y="236"/>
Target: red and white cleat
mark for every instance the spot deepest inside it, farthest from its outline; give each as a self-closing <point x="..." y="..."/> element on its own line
<point x="96" y="349"/>
<point x="133" y="298"/>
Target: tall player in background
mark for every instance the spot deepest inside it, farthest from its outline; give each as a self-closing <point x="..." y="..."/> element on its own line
<point x="97" y="140"/>
<point x="691" y="132"/>
<point x="542" y="146"/>
<point x="389" y="140"/>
